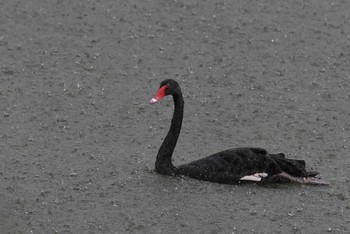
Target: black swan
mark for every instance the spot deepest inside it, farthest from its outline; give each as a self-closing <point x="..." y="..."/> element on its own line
<point x="231" y="166"/>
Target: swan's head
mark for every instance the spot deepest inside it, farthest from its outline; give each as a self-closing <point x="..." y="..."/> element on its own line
<point x="166" y="87"/>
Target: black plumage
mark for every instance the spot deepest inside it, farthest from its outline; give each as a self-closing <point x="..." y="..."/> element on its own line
<point x="230" y="166"/>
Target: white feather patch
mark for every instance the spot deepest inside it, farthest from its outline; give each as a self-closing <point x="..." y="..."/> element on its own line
<point x="255" y="177"/>
<point x="251" y="178"/>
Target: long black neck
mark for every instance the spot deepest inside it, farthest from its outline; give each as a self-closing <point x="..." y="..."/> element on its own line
<point x="163" y="161"/>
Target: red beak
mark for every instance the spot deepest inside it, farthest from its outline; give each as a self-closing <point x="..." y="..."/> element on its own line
<point x="159" y="94"/>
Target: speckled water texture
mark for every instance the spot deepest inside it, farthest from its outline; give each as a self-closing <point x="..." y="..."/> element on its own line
<point x="78" y="137"/>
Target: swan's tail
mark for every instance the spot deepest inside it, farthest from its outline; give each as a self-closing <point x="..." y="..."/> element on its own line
<point x="294" y="167"/>
<point x="294" y="170"/>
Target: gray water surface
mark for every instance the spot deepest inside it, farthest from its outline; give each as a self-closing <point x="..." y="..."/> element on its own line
<point x="78" y="138"/>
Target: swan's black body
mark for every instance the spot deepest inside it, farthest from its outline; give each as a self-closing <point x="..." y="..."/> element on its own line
<point x="230" y="166"/>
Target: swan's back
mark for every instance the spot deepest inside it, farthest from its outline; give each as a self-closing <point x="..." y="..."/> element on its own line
<point x="230" y="166"/>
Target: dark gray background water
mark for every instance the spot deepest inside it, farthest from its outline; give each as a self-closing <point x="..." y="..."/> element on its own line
<point x="78" y="138"/>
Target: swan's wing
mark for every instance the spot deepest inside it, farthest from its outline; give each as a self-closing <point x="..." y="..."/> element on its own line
<point x="230" y="166"/>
